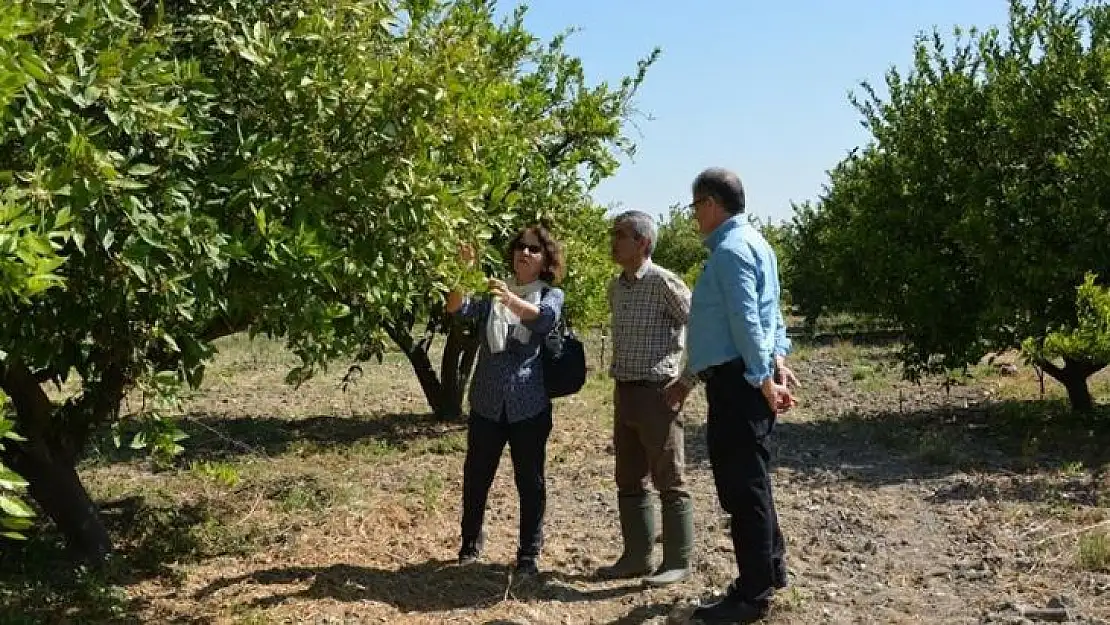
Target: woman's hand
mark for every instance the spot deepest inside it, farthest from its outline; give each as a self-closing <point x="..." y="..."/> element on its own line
<point x="454" y="301"/>
<point x="501" y="292"/>
<point x="467" y="254"/>
<point x="468" y="258"/>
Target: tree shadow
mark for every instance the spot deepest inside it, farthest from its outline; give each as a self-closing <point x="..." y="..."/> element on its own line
<point x="1018" y="441"/>
<point x="879" y="337"/>
<point x="40" y="584"/>
<point x="644" y="613"/>
<point x="225" y="437"/>
<point x="432" y="586"/>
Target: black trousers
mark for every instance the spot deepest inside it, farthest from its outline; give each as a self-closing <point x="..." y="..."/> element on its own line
<point x="485" y="440"/>
<point x="738" y="432"/>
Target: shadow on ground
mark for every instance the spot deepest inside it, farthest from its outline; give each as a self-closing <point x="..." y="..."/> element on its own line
<point x="40" y="584"/>
<point x="1011" y="439"/>
<point x="225" y="437"/>
<point x="432" y="586"/>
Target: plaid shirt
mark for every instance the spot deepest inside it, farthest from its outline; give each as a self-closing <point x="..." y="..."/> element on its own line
<point x="648" y="317"/>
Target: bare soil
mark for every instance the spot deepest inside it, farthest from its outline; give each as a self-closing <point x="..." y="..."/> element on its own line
<point x="980" y="502"/>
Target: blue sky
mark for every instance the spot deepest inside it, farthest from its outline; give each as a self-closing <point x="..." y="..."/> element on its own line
<point x="758" y="87"/>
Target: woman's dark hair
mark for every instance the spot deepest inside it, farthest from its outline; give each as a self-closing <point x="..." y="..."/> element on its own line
<point x="554" y="263"/>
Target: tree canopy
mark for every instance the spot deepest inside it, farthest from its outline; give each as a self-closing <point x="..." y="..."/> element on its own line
<point x="980" y="203"/>
<point x="304" y="169"/>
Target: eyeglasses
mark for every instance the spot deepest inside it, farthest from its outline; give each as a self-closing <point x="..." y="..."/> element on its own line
<point x="532" y="249"/>
<point x="694" y="205"/>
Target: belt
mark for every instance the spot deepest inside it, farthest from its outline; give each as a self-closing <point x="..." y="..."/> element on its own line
<point x="645" y="383"/>
<point x="736" y="365"/>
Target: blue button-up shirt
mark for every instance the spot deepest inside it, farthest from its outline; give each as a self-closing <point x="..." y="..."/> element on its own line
<point x="734" y="311"/>
<point x="511" y="382"/>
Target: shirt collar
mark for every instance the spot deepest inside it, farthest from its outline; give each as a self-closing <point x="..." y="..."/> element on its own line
<point x="720" y="232"/>
<point x="641" y="272"/>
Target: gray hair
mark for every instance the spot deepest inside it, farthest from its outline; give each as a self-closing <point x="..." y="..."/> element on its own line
<point x="643" y="226"/>
<point x="722" y="185"/>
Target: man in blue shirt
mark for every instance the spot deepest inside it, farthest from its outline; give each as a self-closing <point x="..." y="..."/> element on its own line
<point x="736" y="344"/>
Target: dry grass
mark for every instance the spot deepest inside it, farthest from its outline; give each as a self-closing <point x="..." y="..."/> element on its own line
<point x="901" y="503"/>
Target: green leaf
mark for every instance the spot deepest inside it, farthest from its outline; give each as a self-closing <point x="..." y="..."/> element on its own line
<point x="14" y="507"/>
<point x="142" y="169"/>
<point x="16" y="523"/>
<point x="11" y="481"/>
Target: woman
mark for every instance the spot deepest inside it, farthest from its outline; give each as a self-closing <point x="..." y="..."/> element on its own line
<point x="508" y="403"/>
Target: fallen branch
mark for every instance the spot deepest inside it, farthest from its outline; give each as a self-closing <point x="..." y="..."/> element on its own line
<point x="254" y="507"/>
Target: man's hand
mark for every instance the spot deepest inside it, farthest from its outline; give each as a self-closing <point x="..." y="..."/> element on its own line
<point x="675" y="394"/>
<point x="785" y="375"/>
<point x="777" y="396"/>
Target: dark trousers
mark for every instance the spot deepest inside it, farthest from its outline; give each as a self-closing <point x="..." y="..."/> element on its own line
<point x="738" y="432"/>
<point x="485" y="440"/>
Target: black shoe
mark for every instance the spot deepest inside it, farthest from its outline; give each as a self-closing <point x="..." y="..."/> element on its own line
<point x="525" y="567"/>
<point x="732" y="609"/>
<point x="469" y="552"/>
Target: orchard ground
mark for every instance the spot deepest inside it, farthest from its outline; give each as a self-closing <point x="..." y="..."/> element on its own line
<point x="339" y="502"/>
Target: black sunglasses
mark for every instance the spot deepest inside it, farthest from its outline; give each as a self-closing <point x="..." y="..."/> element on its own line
<point x="521" y="245"/>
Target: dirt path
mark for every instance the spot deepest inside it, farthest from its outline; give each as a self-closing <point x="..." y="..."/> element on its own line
<point x="900" y="504"/>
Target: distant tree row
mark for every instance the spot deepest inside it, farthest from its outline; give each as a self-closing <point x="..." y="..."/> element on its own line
<point x="977" y="218"/>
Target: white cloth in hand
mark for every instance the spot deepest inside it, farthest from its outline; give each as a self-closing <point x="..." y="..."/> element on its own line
<point x="501" y="319"/>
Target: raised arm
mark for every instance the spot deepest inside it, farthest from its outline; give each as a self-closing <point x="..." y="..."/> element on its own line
<point x="546" y="314"/>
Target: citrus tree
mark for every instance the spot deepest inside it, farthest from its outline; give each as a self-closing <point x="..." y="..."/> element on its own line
<point x="550" y="138"/>
<point x="303" y="169"/>
<point x="979" y="203"/>
<point x="680" y="247"/>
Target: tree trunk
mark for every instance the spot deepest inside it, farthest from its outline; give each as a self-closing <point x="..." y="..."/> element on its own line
<point x="1073" y="375"/>
<point x="444" y="391"/>
<point x="456" y="367"/>
<point x="48" y="460"/>
<point x="417" y="354"/>
<point x="56" y="487"/>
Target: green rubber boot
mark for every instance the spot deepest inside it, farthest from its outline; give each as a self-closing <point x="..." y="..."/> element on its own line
<point x="678" y="543"/>
<point x="638" y="530"/>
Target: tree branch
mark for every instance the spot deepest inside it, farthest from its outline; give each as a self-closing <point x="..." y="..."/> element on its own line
<point x="1050" y="369"/>
<point x="225" y="326"/>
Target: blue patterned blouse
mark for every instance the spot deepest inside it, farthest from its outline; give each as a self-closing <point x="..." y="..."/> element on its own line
<point x="511" y="382"/>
